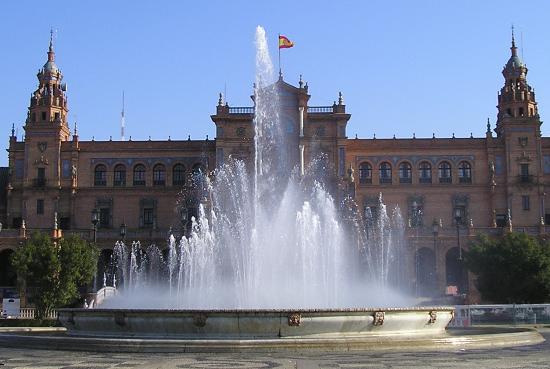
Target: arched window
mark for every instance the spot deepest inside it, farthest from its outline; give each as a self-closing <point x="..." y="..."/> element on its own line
<point x="119" y="178"/>
<point x="385" y="172"/>
<point x="464" y="172"/>
<point x="405" y="173"/>
<point x="178" y="175"/>
<point x="425" y="172"/>
<point x="139" y="175"/>
<point x="445" y="172"/>
<point x="159" y="175"/>
<point x="365" y="173"/>
<point x="100" y="175"/>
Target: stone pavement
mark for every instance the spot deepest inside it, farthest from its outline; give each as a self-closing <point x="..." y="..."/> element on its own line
<point x="529" y="357"/>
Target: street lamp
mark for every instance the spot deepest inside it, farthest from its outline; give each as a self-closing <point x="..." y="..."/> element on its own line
<point x="123" y="231"/>
<point x="458" y="218"/>
<point x="95" y="220"/>
<point x="184" y="219"/>
<point x="435" y="230"/>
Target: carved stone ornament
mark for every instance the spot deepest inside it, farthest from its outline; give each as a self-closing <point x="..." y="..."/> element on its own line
<point x="433" y="317"/>
<point x="199" y="320"/>
<point x="294" y="319"/>
<point x="378" y="318"/>
<point x="42" y="146"/>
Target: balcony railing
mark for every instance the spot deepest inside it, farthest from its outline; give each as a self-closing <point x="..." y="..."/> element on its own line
<point x="466" y="180"/>
<point x="365" y="180"/>
<point x="445" y="180"/>
<point x="425" y="180"/>
<point x="39" y="182"/>
<point x="320" y="109"/>
<point x="385" y="180"/>
<point x="405" y="180"/>
<point x="241" y="110"/>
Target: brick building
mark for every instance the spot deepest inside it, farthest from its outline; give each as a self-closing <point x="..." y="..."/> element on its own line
<point x="449" y="189"/>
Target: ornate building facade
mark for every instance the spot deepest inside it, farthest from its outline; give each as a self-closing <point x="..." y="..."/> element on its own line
<point x="449" y="189"/>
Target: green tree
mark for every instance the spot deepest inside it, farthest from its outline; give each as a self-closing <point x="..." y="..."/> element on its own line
<point x="55" y="270"/>
<point x="513" y="269"/>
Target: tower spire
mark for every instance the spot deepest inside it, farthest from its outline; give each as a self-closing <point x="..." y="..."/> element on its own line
<point x="514" y="48"/>
<point x="122" y="120"/>
<point x="51" y="53"/>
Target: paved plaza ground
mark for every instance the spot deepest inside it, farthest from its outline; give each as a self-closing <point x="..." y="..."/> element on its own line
<point x="537" y="356"/>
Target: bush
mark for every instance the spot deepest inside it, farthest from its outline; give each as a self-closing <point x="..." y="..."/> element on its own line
<point x="513" y="269"/>
<point x="57" y="270"/>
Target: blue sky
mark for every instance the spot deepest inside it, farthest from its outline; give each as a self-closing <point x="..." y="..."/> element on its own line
<point x="404" y="67"/>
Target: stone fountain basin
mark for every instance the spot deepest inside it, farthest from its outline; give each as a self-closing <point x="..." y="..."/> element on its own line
<point x="256" y="324"/>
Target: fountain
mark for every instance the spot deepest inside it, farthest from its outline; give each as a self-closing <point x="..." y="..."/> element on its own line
<point x="267" y="264"/>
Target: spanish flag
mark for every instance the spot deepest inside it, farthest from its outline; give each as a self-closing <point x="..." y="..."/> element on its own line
<point x="285" y="43"/>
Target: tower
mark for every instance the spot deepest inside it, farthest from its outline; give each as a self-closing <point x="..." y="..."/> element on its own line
<point x="518" y="128"/>
<point x="516" y="99"/>
<point x="46" y="128"/>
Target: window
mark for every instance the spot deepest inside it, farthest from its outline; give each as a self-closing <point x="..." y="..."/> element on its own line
<point x="416" y="211"/>
<point x="56" y="116"/>
<point x="147" y="212"/>
<point x="148" y="217"/>
<point x="501" y="220"/>
<point x="139" y="175"/>
<point x="100" y="175"/>
<point x="385" y="173"/>
<point x="465" y="172"/>
<point x="19" y="168"/>
<point x="521" y="112"/>
<point x="525" y="202"/>
<point x="524" y="173"/>
<point x="425" y="172"/>
<point x="178" y="175"/>
<point x="159" y="175"/>
<point x="40" y="180"/>
<point x="365" y="173"/>
<point x="40" y="206"/>
<point x="119" y="178"/>
<point x="43" y="115"/>
<point x="405" y="173"/>
<point x="459" y="215"/>
<point x="66" y="168"/>
<point x="104" y="217"/>
<point x="41" y="173"/>
<point x="445" y="172"/>
<point x="546" y="165"/>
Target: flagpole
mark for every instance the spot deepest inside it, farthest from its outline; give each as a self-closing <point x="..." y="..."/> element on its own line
<point x="279" y="47"/>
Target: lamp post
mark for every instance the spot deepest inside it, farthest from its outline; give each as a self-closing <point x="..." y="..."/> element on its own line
<point x="435" y="232"/>
<point x="184" y="219"/>
<point x="95" y="220"/>
<point x="458" y="218"/>
<point x="123" y="231"/>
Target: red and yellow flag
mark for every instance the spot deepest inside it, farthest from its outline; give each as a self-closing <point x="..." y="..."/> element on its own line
<point x="285" y="43"/>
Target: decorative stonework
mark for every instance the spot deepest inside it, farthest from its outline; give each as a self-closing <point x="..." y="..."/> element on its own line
<point x="199" y="320"/>
<point x="378" y="318"/>
<point x="294" y="319"/>
<point x="433" y="317"/>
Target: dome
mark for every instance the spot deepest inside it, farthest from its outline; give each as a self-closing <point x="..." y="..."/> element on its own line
<point x="514" y="62"/>
<point x="50" y="67"/>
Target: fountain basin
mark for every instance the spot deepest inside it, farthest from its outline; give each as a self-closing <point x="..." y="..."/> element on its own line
<point x="256" y="324"/>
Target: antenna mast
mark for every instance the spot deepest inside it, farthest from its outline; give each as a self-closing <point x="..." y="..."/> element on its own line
<point x="122" y="121"/>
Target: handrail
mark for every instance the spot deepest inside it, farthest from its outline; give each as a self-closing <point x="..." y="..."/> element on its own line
<point x="320" y="109"/>
<point x="241" y="110"/>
